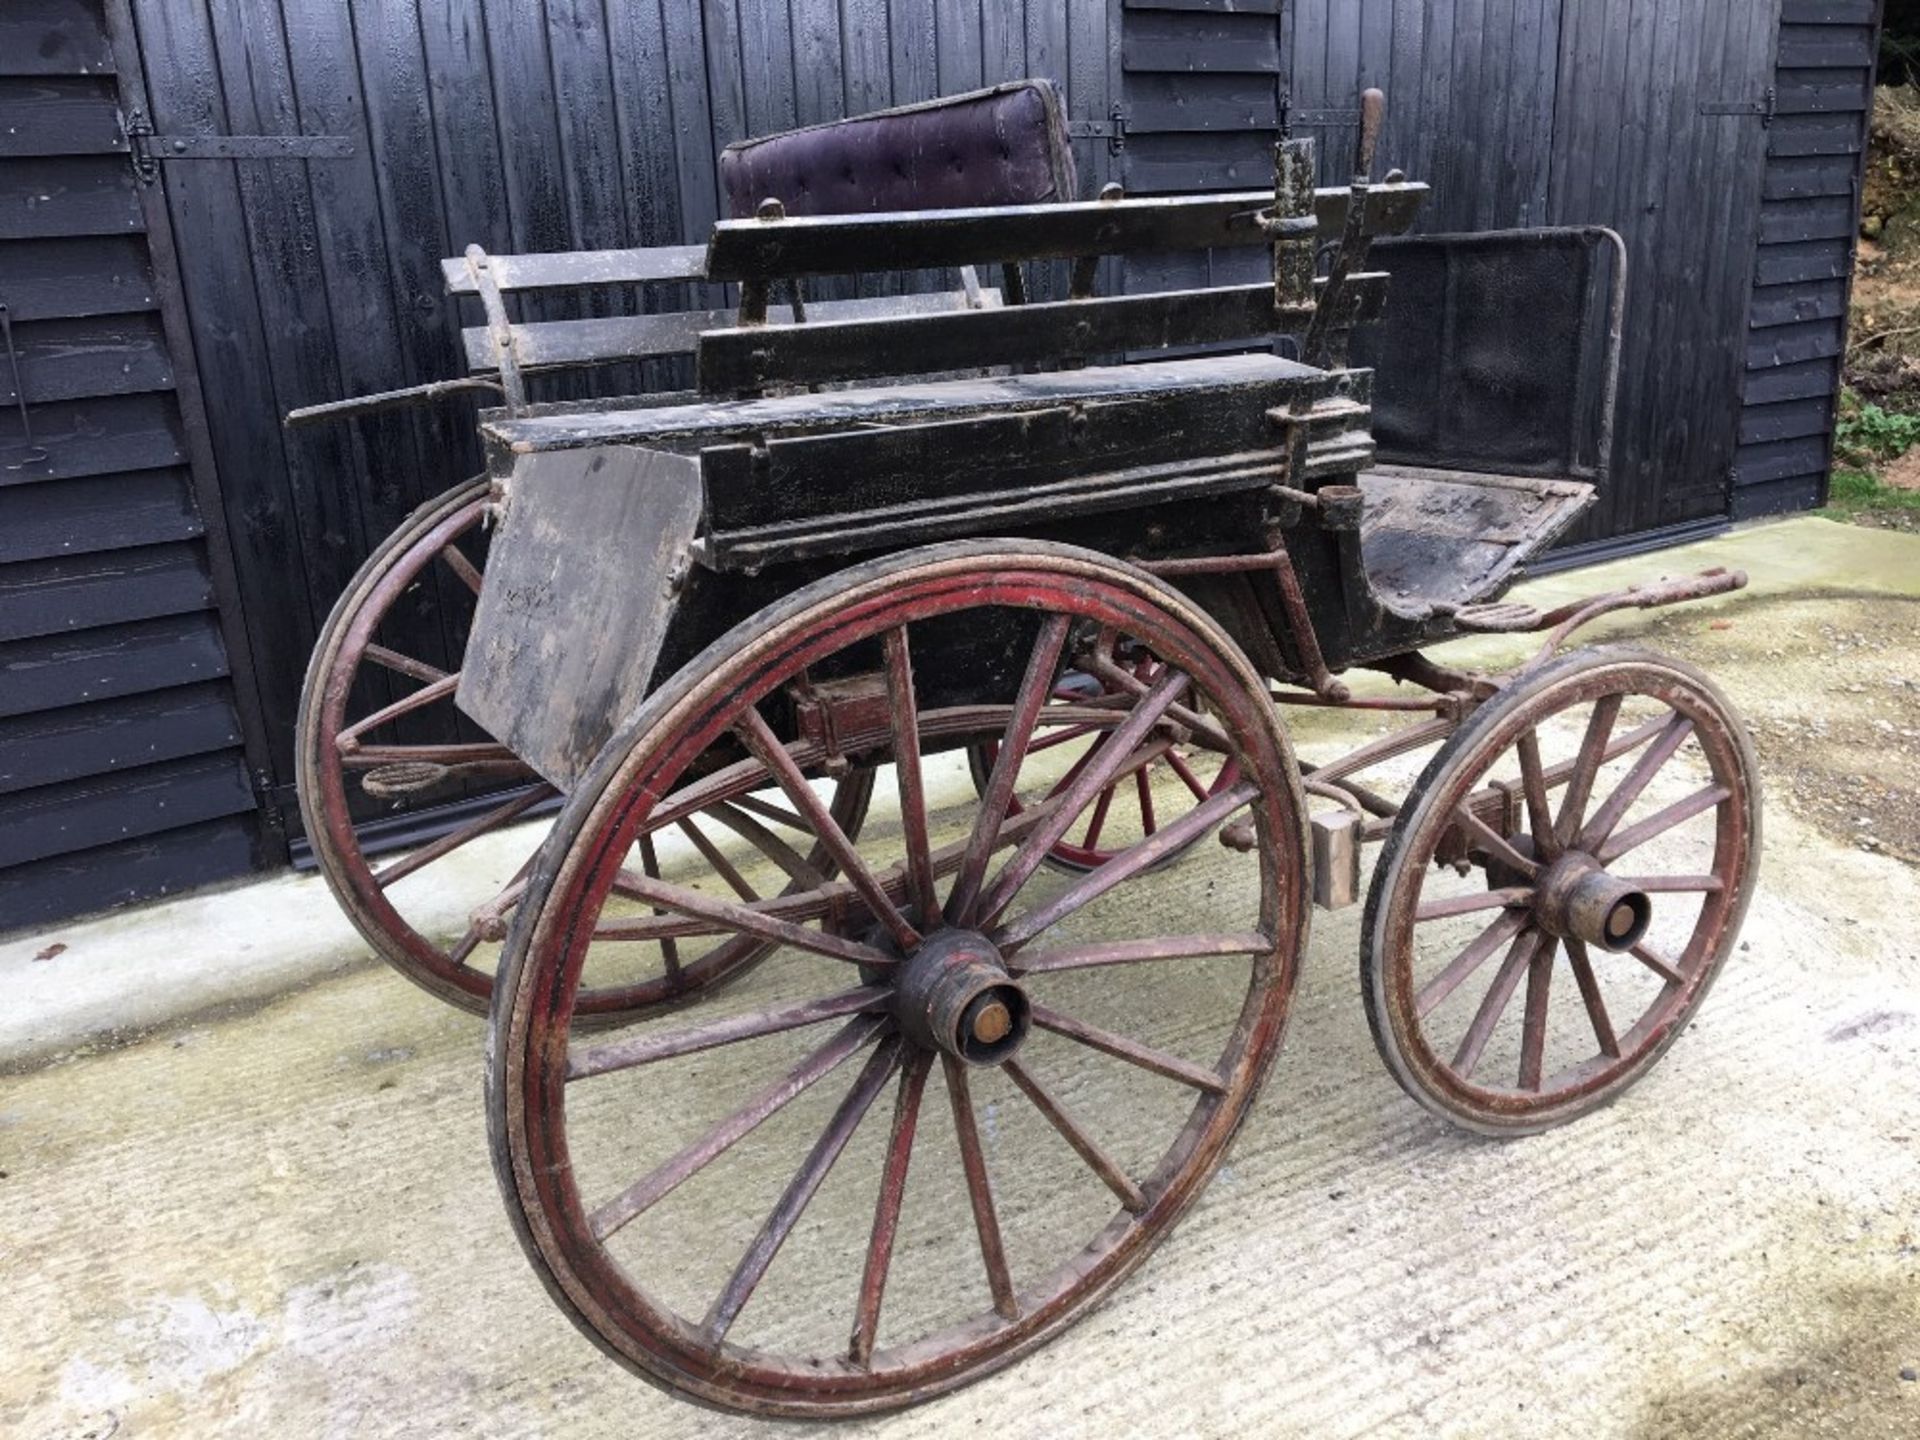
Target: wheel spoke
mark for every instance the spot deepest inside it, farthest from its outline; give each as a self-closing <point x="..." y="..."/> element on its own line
<point x="1589" y="984"/>
<point x="1678" y="813"/>
<point x="1657" y="963"/>
<point x="746" y="920"/>
<point x="1493" y="840"/>
<point x="1596" y="831"/>
<point x="766" y="748"/>
<point x="457" y="562"/>
<point x="717" y="858"/>
<point x="1143" y="787"/>
<point x="1133" y="1052"/>
<point x="1533" y="780"/>
<point x="773" y="1020"/>
<point x="1083" y="1144"/>
<point x="406" y="704"/>
<point x="973" y="1162"/>
<point x="1469" y="960"/>
<point x="1054" y="739"/>
<point x="1014" y="744"/>
<point x="1099" y="820"/>
<point x="1586" y="768"/>
<point x="403" y="664"/>
<point x="905" y="717"/>
<point x="1124" y="866"/>
<point x="1494" y="1005"/>
<point x="1131" y="952"/>
<point x="419" y="859"/>
<point x="463" y="948"/>
<point x="767" y="810"/>
<point x="650" y="863"/>
<point x="651" y="1188"/>
<point x="793" y="1202"/>
<point x="1533" y="1024"/>
<point x="1467" y="904"/>
<point x="886" y="1212"/>
<point x="1187" y="777"/>
<point x="1109" y="759"/>
<point x="796" y="865"/>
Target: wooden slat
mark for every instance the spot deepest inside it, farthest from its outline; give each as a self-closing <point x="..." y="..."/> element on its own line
<point x="1808" y="177"/>
<point x="80" y="592"/>
<point x="100" y="810"/>
<point x="937" y="239"/>
<point x="54" y="37"/>
<point x="1040" y="334"/>
<point x="582" y="270"/>
<point x="1786" y="222"/>
<point x="1780" y="460"/>
<point x="1789" y="420"/>
<point x="1157" y="103"/>
<point x="579" y="342"/>
<point x="1829" y="12"/>
<point x="1798" y="263"/>
<point x="1809" y="47"/>
<point x="1192" y="42"/>
<point x="59" y="115"/>
<point x="65" y="279"/>
<point x="96" y="355"/>
<point x="61" y="195"/>
<point x="102" y="512"/>
<point x="158" y="864"/>
<point x="1794" y="344"/>
<point x="114" y="735"/>
<point x="1778" y="497"/>
<point x="1821" y="92"/>
<point x="97" y="436"/>
<point x="1792" y="382"/>
<point x="1211" y="7"/>
<point x="56" y="670"/>
<point x="1792" y="304"/>
<point x="1815" y="135"/>
<point x="1185" y="163"/>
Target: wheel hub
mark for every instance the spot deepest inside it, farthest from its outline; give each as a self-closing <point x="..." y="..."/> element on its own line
<point x="1578" y="900"/>
<point x="954" y="995"/>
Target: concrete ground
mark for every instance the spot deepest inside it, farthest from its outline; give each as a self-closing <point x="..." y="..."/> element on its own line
<point x="244" y="1185"/>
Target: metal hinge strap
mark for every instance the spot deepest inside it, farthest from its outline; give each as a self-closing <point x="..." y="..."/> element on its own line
<point x="1113" y="130"/>
<point x="146" y="149"/>
<point x="1767" y="107"/>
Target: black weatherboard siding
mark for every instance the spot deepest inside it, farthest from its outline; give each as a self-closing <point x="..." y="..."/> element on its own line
<point x="123" y="768"/>
<point x="1803" y="273"/>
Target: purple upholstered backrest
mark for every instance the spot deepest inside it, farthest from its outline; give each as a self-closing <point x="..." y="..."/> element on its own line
<point x="1006" y="145"/>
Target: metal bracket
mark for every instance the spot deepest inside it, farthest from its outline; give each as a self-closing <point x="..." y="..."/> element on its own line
<point x="146" y="149"/>
<point x="1766" y="108"/>
<point x="1113" y="130"/>
<point x="1324" y="119"/>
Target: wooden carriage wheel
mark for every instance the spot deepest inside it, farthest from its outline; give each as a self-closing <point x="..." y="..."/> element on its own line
<point x="1633" y="858"/>
<point x="345" y="743"/>
<point x="951" y="958"/>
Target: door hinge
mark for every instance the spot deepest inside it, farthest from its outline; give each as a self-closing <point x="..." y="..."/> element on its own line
<point x="1113" y="130"/>
<point x="146" y="149"/>
<point x="1767" y="107"/>
<point x="272" y="801"/>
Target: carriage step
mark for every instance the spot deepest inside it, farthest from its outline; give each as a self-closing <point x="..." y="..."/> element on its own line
<point x="1497" y="618"/>
<point x="402" y="778"/>
<point x="1336" y="859"/>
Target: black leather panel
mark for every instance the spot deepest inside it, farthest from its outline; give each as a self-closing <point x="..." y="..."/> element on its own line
<point x="1003" y="146"/>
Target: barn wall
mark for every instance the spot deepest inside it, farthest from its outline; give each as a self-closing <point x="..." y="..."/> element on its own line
<point x="123" y="765"/>
<point x="1797" y="324"/>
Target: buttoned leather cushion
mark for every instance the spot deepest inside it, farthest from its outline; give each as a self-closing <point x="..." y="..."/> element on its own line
<point x="1004" y="146"/>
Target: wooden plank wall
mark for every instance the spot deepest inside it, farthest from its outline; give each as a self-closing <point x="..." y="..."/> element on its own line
<point x="536" y="126"/>
<point x="1809" y="220"/>
<point x="122" y="772"/>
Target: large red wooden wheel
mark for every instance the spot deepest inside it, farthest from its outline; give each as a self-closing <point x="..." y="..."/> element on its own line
<point x="706" y="1194"/>
<point x="437" y="912"/>
<point x="1590" y="837"/>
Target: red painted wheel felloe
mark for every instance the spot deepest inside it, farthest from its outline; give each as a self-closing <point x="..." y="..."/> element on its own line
<point x="1097" y="1050"/>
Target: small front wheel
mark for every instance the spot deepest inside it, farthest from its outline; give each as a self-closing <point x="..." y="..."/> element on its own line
<point x="1591" y="836"/>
